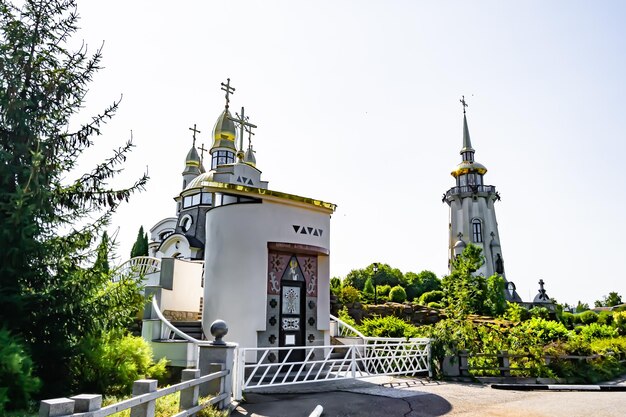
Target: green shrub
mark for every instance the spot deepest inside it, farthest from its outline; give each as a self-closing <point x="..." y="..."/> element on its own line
<point x="516" y="312"/>
<point x="335" y="286"/>
<point x="587" y="317"/>
<point x="567" y="319"/>
<point x="368" y="288"/>
<point x="383" y="290"/>
<point x="431" y="297"/>
<point x="389" y="326"/>
<point x="345" y="317"/>
<point x="111" y="363"/>
<point x="605" y="317"/>
<point x="539" y="312"/>
<point x="17" y="384"/>
<point x="435" y="305"/>
<point x="350" y="295"/>
<point x="597" y="331"/>
<point x="397" y="294"/>
<point x="545" y="331"/>
<point x="619" y="321"/>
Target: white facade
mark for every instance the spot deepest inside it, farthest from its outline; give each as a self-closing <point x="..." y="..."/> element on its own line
<point x="236" y="263"/>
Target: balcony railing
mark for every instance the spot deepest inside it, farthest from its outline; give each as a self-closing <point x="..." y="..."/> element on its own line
<point x="471" y="189"/>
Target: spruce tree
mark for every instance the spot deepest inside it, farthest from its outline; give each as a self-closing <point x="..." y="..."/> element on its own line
<point x="52" y="294"/>
<point x="140" y="247"/>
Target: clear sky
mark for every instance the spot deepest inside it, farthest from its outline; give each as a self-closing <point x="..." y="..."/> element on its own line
<point x="357" y="103"/>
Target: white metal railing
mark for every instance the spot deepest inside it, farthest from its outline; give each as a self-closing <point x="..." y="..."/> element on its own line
<point x="343" y="329"/>
<point x="138" y="266"/>
<point x="377" y="356"/>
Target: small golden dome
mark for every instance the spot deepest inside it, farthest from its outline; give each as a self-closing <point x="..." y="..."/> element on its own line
<point x="224" y="132"/>
<point x="467" y="167"/>
<point x="197" y="182"/>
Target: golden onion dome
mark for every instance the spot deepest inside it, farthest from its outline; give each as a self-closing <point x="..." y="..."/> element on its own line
<point x="466" y="167"/>
<point x="224" y="132"/>
<point x="197" y="182"/>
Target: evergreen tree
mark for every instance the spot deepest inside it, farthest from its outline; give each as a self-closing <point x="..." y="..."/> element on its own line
<point x="102" y="254"/>
<point x="140" y="247"/>
<point x="49" y="297"/>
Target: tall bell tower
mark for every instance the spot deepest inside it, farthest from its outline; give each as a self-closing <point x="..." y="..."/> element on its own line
<point x="473" y="213"/>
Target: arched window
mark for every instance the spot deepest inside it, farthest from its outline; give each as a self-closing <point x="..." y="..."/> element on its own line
<point x="477" y="231"/>
<point x="185" y="222"/>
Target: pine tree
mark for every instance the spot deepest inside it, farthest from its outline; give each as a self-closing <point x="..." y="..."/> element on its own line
<point x="140" y="247"/>
<point x="49" y="220"/>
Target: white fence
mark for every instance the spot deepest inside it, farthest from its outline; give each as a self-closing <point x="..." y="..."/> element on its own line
<point x="145" y="394"/>
<point x="138" y="266"/>
<point x="376" y="356"/>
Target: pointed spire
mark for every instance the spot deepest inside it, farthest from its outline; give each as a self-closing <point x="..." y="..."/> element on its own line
<point x="467" y="143"/>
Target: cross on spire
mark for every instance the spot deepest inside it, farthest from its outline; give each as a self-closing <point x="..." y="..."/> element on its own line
<point x="250" y="133"/>
<point x="244" y="125"/>
<point x="464" y="103"/>
<point x="229" y="90"/>
<point x="202" y="150"/>
<point x="194" y="130"/>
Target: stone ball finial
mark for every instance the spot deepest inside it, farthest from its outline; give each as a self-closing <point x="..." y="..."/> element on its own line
<point x="219" y="329"/>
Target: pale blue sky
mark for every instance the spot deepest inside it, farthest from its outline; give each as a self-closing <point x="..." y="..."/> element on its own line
<point x="357" y="103"/>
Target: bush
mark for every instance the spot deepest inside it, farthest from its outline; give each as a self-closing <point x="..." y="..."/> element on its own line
<point x="431" y="297"/>
<point x="545" y="331"/>
<point x="111" y="363"/>
<point x="587" y="317"/>
<point x="516" y="312"/>
<point x="567" y="319"/>
<point x="17" y="384"/>
<point x="435" y="305"/>
<point x="389" y="326"/>
<point x="597" y="331"/>
<point x="383" y="290"/>
<point x="619" y="321"/>
<point x="166" y="406"/>
<point x="350" y="295"/>
<point x="539" y="312"/>
<point x="397" y="294"/>
<point x="605" y="317"/>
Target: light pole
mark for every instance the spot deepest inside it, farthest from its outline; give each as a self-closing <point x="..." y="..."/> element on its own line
<point x="375" y="285"/>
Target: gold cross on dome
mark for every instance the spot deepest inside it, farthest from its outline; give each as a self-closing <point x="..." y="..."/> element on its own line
<point x="194" y="130"/>
<point x="464" y="103"/>
<point x="229" y="90"/>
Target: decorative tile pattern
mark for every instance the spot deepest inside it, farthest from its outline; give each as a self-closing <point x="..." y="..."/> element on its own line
<point x="291" y="300"/>
<point x="311" y="304"/>
<point x="311" y="321"/>
<point x="273" y="303"/>
<point x="309" y="269"/>
<point x="272" y="320"/>
<point x="291" y="324"/>
<point x="307" y="230"/>
<point x="271" y="357"/>
<point x="272" y="339"/>
<point x="311" y="338"/>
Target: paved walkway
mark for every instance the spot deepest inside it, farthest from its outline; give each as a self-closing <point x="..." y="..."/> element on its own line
<point x="386" y="396"/>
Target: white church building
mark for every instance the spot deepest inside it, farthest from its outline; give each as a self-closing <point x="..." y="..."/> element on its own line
<point x="238" y="251"/>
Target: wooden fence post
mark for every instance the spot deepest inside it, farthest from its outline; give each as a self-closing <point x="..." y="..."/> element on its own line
<point x="144" y="386"/>
<point x="189" y="396"/>
<point x="504" y="363"/>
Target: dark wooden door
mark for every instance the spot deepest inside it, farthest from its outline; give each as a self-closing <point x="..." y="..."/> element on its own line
<point x="292" y="318"/>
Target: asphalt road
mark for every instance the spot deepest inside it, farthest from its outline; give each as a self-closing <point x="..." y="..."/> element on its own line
<point x="420" y="398"/>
